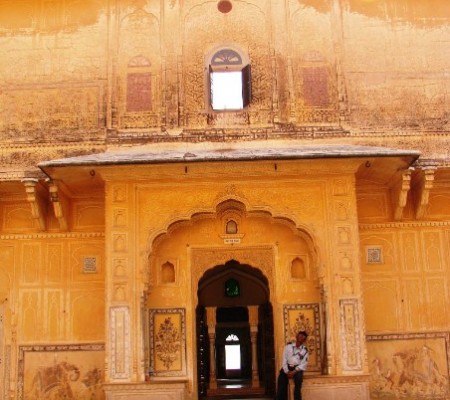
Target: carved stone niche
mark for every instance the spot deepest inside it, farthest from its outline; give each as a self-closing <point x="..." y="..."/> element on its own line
<point x="231" y="213"/>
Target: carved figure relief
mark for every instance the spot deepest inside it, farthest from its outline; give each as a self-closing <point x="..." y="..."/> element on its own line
<point x="409" y="366"/>
<point x="61" y="372"/>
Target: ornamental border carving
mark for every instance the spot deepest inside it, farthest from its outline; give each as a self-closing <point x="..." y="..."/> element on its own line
<point x="351" y="334"/>
<point x="417" y="224"/>
<point x="53" y="236"/>
<point x="7" y="372"/>
<point x="120" y="343"/>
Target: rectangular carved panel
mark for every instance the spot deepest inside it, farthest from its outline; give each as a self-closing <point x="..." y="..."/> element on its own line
<point x="305" y="317"/>
<point x="139" y="96"/>
<point x="167" y="342"/>
<point x="315" y="86"/>
<point x="69" y="371"/>
<point x="120" y="351"/>
<point x="409" y="364"/>
<point x="350" y="334"/>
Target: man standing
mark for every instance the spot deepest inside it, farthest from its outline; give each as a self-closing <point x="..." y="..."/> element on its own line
<point x="295" y="361"/>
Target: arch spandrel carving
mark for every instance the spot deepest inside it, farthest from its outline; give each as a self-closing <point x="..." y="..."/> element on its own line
<point x="261" y="257"/>
<point x="258" y="256"/>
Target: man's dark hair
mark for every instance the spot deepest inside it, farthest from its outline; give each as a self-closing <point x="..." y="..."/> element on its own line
<point x="303" y="333"/>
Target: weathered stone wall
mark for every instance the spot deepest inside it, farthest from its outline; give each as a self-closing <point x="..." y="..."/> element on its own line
<point x="75" y="73"/>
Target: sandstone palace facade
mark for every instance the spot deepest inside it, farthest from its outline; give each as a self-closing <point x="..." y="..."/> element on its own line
<point x="185" y="184"/>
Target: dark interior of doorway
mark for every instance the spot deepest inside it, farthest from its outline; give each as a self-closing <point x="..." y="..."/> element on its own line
<point x="231" y="317"/>
<point x="233" y="329"/>
<point x="230" y="321"/>
<point x="227" y="383"/>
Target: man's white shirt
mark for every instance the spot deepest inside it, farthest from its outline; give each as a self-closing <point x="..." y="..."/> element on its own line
<point x="294" y="355"/>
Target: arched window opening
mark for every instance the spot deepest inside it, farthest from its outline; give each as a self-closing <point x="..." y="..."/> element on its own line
<point x="232" y="227"/>
<point x="230" y="81"/>
<point x="232" y="352"/>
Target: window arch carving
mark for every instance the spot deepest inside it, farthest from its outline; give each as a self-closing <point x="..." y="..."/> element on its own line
<point x="229" y="79"/>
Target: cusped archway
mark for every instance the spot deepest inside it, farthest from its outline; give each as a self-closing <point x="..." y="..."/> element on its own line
<point x="252" y="286"/>
<point x="235" y="318"/>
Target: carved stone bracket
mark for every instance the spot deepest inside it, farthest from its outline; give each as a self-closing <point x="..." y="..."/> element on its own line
<point x="399" y="193"/>
<point x="60" y="205"/>
<point x="424" y="183"/>
<point x="37" y="201"/>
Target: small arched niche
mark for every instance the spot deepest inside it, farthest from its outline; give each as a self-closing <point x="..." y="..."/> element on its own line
<point x="167" y="273"/>
<point x="298" y="268"/>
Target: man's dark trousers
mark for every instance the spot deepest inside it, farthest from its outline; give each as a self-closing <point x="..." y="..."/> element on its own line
<point x="283" y="381"/>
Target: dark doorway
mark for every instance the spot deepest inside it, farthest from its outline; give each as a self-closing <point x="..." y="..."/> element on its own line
<point x="230" y="290"/>
<point x="233" y="344"/>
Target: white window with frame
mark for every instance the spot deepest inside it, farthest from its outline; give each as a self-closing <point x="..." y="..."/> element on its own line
<point x="232" y="352"/>
<point x="229" y="80"/>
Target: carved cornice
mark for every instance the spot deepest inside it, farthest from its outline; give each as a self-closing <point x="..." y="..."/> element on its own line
<point x="88" y="144"/>
<point x="414" y="224"/>
<point x="330" y="379"/>
<point x="408" y="335"/>
<point x="159" y="384"/>
<point x="44" y="235"/>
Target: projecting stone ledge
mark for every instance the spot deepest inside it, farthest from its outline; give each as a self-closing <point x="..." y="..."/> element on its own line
<point x="187" y="153"/>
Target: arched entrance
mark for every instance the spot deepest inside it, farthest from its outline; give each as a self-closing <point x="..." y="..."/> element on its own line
<point x="235" y="344"/>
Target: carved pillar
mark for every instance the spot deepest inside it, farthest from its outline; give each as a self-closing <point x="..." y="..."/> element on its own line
<point x="211" y="321"/>
<point x="344" y="294"/>
<point x="123" y="343"/>
<point x="253" y="318"/>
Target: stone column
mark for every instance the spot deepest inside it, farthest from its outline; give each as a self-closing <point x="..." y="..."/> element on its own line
<point x="211" y="321"/>
<point x="253" y="319"/>
<point x="345" y="295"/>
<point x="123" y="312"/>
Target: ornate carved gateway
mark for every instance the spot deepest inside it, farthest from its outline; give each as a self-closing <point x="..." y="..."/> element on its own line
<point x="162" y="256"/>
